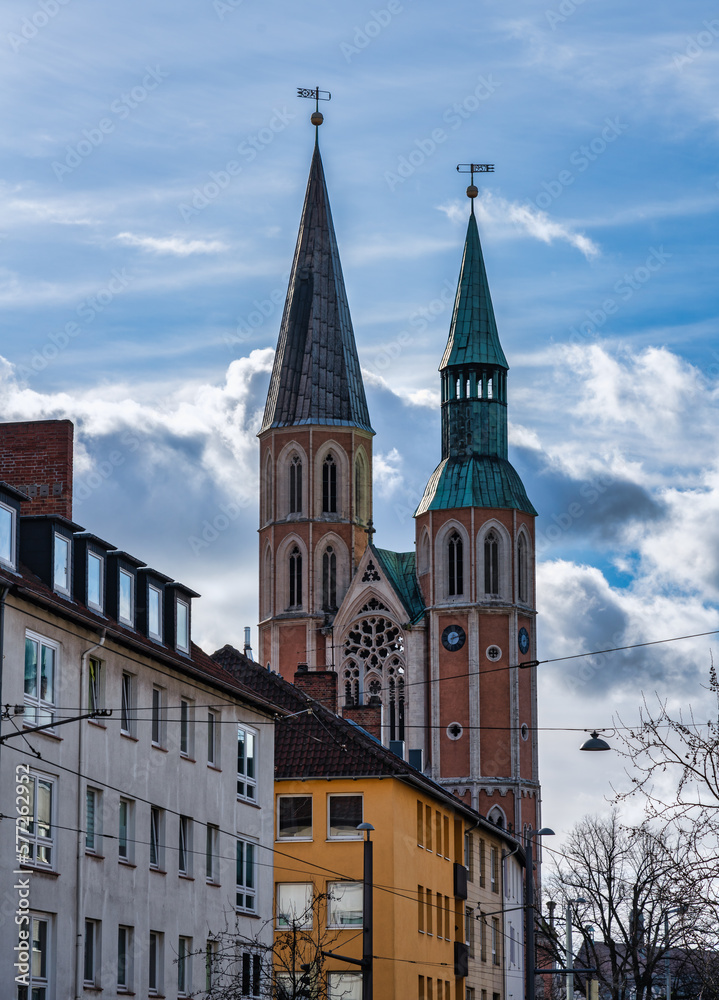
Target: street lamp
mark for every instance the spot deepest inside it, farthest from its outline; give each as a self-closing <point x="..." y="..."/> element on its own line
<point x="530" y="959"/>
<point x="595" y="742"/>
<point x="568" y="947"/>
<point x="367" y="927"/>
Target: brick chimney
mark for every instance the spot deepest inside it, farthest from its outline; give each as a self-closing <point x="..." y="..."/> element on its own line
<point x="36" y="457"/>
<point x="367" y="716"/>
<point x="318" y="684"/>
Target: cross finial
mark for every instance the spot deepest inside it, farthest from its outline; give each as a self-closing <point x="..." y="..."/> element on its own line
<point x="472" y="169"/>
<point x="370" y="529"/>
<point x="316" y="95"/>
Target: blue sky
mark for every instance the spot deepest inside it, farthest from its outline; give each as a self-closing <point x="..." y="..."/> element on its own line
<point x="153" y="159"/>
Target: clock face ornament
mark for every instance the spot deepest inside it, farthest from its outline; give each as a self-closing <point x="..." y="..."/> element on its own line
<point x="523" y="640"/>
<point x="453" y="638"/>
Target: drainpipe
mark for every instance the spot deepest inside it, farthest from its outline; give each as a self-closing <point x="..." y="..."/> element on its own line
<point x="80" y="855"/>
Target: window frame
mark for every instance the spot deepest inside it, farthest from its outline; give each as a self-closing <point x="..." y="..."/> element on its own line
<point x="157" y="592"/>
<point x="128" y="719"/>
<point x="41" y="706"/>
<point x="129" y="839"/>
<point x="294" y="569"/>
<point x="212" y="854"/>
<point x="187" y="728"/>
<point x="155" y="963"/>
<point x="184" y="846"/>
<point x="356" y="834"/>
<point x="244" y="778"/>
<point x="35" y="841"/>
<point x="126" y="966"/>
<point x="98" y="605"/>
<point x="66" y="587"/>
<point x="334" y="908"/>
<point x="93" y="825"/>
<point x="213" y="745"/>
<point x="295" y="837"/>
<point x="95" y="687"/>
<point x="40" y="981"/>
<point x="157" y="839"/>
<point x="341" y="980"/>
<point x="281" y="921"/>
<point x="246" y="863"/>
<point x="184" y="645"/>
<point x="184" y="966"/>
<point x="126" y="619"/>
<point x="92" y="962"/>
<point x="157" y="721"/>
<point x="12" y="538"/>
<point x="294" y="483"/>
<point x="251" y="974"/>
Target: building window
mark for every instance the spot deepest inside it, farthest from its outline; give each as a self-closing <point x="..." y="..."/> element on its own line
<point x="344" y="904"/>
<point x="294" y="817"/>
<point x="295" y="485"/>
<point x="186" y="717"/>
<point x="182" y="630"/>
<point x="469" y="931"/>
<point x="428" y="899"/>
<point x="92" y="953"/>
<point x="37" y="984"/>
<point x="36" y="841"/>
<point x="246" y="877"/>
<point x="40" y="668"/>
<point x="212" y="958"/>
<point x="95" y="574"/>
<point x="420" y="909"/>
<point x="211" y="854"/>
<point x="396" y="708"/>
<point x="495" y="941"/>
<point x="294" y="905"/>
<point x="494" y="869"/>
<point x="157" y="839"/>
<point x="126" y="833"/>
<point x="469" y="855"/>
<point x="522" y="569"/>
<point x="295" y="578"/>
<point x="428" y="827"/>
<point x="329" y="485"/>
<point x="7" y="535"/>
<point x="127" y="706"/>
<point x="483" y="939"/>
<point x="184" y="966"/>
<point x="344" y="815"/>
<point x="246" y="764"/>
<point x="455" y="565"/>
<point x="124" y="959"/>
<point x="491" y="563"/>
<point x="154" y="613"/>
<point x="266" y="491"/>
<point x="61" y="566"/>
<point x="156" y="963"/>
<point x="344" y="986"/>
<point x="95" y="686"/>
<point x="184" y="849"/>
<point x="127" y="597"/>
<point x="158" y="717"/>
<point x="329" y="579"/>
<point x="93" y="820"/>
<point x="360" y="490"/>
<point x="212" y="756"/>
<point x="251" y="975"/>
<point x="482" y="863"/>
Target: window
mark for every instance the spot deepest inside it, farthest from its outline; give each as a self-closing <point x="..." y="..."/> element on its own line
<point x="420" y="824"/>
<point x="438" y="832"/>
<point x="7" y="535"/>
<point x="483" y="939"/>
<point x="428" y="827"/>
<point x="61" y="566"/>
<point x="469" y="931"/>
<point x="158" y="726"/>
<point x="360" y="513"/>
<point x="329" y="579"/>
<point x="40" y="667"/>
<point x="157" y="846"/>
<point x="156" y="963"/>
<point x="212" y="954"/>
<point x="522" y="569"/>
<point x="446" y="837"/>
<point x="420" y="909"/>
<point x="482" y="863"/>
<point x="127" y="714"/>
<point x="294" y="817"/>
<point x="246" y="877"/>
<point x="296" y="485"/>
<point x="127" y="597"/>
<point x="95" y="573"/>
<point x="126" y="834"/>
<point x="211" y="852"/>
<point x="469" y="855"/>
<point x="246" y="764"/>
<point x="344" y="986"/>
<point x="447" y="917"/>
<point x="345" y="904"/>
<point x="182" y="633"/>
<point x="251" y="975"/>
<point x="428" y="898"/>
<point x="37" y="984"/>
<point x="92" y="953"/>
<point x="491" y="563"/>
<point x="93" y="820"/>
<point x="184" y="967"/>
<point x="438" y="905"/>
<point x="494" y="869"/>
<point x="95" y="685"/>
<point x="212" y="739"/>
<point x="455" y="565"/>
<point x="495" y="941"/>
<point x="35" y="832"/>
<point x="124" y="959"/>
<point x="154" y="613"/>
<point x="295" y="578"/>
<point x="186" y="729"/>
<point x="329" y="485"/>
<point x="344" y="815"/>
<point x="184" y="847"/>
<point x="294" y="904"/>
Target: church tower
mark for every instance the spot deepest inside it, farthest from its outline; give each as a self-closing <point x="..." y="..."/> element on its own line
<point x="475" y="566"/>
<point x="315" y="451"/>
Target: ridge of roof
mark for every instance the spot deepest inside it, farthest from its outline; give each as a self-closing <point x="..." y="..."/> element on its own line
<point x="400" y="568"/>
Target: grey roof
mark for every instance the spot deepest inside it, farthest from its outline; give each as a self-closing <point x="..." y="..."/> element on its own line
<point x="316" y="375"/>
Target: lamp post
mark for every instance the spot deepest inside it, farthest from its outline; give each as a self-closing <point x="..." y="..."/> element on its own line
<point x="568" y="947"/>
<point x="367" y="914"/>
<point x="530" y="959"/>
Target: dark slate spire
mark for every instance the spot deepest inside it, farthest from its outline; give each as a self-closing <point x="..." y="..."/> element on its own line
<point x="316" y="375"/>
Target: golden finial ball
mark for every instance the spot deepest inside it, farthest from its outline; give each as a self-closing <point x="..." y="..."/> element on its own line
<point x="317" y="118"/>
<point x="472" y="191"/>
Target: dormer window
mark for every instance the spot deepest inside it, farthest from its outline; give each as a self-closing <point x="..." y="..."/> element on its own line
<point x="95" y="574"/>
<point x="7" y="535"/>
<point x="182" y="639"/>
<point x="154" y="613"/>
<point x="61" y="564"/>
<point x="127" y="598"/>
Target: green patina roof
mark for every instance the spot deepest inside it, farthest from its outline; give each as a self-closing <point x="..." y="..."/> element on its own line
<point x="475" y="481"/>
<point x="473" y="337"/>
<point x="400" y="568"/>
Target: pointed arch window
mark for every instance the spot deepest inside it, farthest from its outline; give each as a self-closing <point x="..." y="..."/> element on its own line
<point x="295" y="578"/>
<point x="267" y="585"/>
<point x="491" y="563"/>
<point x="359" y="489"/>
<point x="329" y="579"/>
<point x="267" y="491"/>
<point x="295" y="485"/>
<point x="396" y="708"/>
<point x="329" y="485"/>
<point x="522" y="569"/>
<point x="455" y="557"/>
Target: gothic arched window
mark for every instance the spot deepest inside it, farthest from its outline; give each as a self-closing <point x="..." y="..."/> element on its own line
<point x="267" y="491"/>
<point x="360" y="514"/>
<point x="522" y="569"/>
<point x="455" y="557"/>
<point x="491" y="563"/>
<point x="295" y="578"/>
<point x="295" y="485"/>
<point x="396" y="708"/>
<point x="329" y="580"/>
<point x="329" y="485"/>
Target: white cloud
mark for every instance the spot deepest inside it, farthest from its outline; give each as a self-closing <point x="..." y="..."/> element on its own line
<point x="386" y="471"/>
<point x="176" y="245"/>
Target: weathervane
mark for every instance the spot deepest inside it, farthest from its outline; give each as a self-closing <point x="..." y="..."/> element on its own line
<point x="316" y="95"/>
<point x="472" y="169"/>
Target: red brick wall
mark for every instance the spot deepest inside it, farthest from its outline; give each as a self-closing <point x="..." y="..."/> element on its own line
<point x="36" y="456"/>
<point x="320" y="685"/>
<point x="367" y="716"/>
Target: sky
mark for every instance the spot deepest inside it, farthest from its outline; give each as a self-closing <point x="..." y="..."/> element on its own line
<point x="153" y="161"/>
